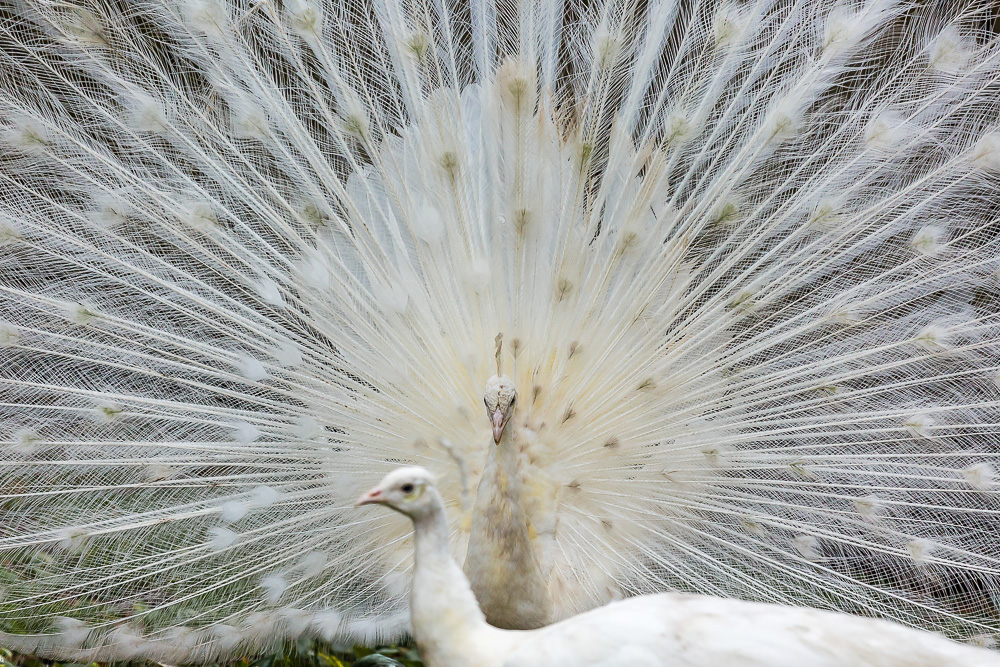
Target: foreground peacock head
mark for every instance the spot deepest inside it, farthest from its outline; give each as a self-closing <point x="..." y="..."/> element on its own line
<point x="404" y="490"/>
<point x="499" y="397"/>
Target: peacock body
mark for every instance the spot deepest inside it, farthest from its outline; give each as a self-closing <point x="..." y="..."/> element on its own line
<point x="739" y="259"/>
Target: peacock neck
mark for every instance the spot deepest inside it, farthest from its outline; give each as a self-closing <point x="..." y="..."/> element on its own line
<point x="448" y="625"/>
<point x="431" y="537"/>
<point x="502" y="464"/>
<point x="501" y="563"/>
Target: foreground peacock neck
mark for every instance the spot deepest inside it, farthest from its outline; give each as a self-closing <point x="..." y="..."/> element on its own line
<point x="447" y="623"/>
<point x="500" y="562"/>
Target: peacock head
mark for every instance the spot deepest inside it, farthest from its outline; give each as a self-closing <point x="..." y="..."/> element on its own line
<point x="499" y="397"/>
<point x="404" y="490"/>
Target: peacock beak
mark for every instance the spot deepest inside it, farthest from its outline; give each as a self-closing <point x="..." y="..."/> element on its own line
<point x="369" y="497"/>
<point x="499" y="421"/>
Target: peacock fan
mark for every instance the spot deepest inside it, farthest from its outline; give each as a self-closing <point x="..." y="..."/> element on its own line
<point x="728" y="270"/>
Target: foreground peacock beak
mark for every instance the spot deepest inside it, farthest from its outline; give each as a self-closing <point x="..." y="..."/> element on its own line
<point x="369" y="497"/>
<point x="498" y="423"/>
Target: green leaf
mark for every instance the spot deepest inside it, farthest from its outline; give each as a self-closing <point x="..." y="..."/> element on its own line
<point x="362" y="651"/>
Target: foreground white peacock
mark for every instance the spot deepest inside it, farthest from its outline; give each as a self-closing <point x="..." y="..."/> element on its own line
<point x="664" y="630"/>
<point x="741" y="256"/>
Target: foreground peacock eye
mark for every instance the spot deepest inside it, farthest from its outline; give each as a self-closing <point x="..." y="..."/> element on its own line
<point x="406" y="488"/>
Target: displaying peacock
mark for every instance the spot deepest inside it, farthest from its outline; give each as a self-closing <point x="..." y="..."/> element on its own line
<point x="734" y="266"/>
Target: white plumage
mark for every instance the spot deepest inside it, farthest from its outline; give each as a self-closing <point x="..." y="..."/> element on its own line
<point x="741" y="256"/>
<point x="675" y="630"/>
<point x="509" y="559"/>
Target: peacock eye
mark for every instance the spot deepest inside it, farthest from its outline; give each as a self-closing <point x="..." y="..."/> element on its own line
<point x="406" y="488"/>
